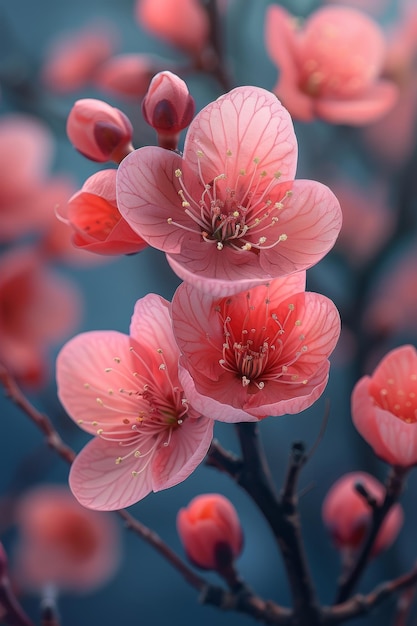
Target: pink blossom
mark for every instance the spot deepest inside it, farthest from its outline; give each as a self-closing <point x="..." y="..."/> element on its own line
<point x="330" y="67"/>
<point x="37" y="309"/>
<point x="384" y="407"/>
<point x="96" y="221"/>
<point x="125" y="75"/>
<point x="99" y="131"/>
<point x="257" y="353"/>
<point x="210" y="531"/>
<point x="347" y="515"/>
<point x="62" y="543"/>
<point x="182" y="23"/>
<point x="125" y="390"/>
<point x="228" y="213"/>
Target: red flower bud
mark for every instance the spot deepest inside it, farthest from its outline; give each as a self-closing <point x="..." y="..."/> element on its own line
<point x="168" y="106"/>
<point x="99" y="131"/>
<point x="210" y="532"/>
<point x="347" y="514"/>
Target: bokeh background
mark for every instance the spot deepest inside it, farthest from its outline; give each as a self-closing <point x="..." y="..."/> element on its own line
<point x="146" y="590"/>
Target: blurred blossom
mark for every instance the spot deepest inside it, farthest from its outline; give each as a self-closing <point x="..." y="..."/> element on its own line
<point x="99" y="131"/>
<point x="210" y="532"/>
<point x="229" y="214"/>
<point x="330" y="67"/>
<point x="126" y="75"/>
<point x="182" y="23"/>
<point x="95" y="221"/>
<point x="384" y="407"/>
<point x="375" y="7"/>
<point x="257" y="353"/>
<point x="72" y="59"/>
<point x="125" y="390"/>
<point x="38" y="308"/>
<point x="348" y="516"/>
<point x="63" y="544"/>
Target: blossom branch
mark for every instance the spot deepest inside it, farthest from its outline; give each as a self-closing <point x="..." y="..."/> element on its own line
<point x="11" y="613"/>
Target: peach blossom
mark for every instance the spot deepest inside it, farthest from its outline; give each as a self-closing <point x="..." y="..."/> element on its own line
<point x="210" y="531"/>
<point x="330" y="67"/>
<point x="384" y="407"/>
<point x="125" y="390"/>
<point x="38" y="308"/>
<point x="347" y="515"/>
<point x="125" y="75"/>
<point x="62" y="543"/>
<point x="99" y="131"/>
<point x="95" y="220"/>
<point x="72" y="59"/>
<point x="229" y="214"/>
<point x="182" y="23"/>
<point x="257" y="353"/>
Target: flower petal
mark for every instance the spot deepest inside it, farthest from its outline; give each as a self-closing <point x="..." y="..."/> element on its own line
<point x="398" y="437"/>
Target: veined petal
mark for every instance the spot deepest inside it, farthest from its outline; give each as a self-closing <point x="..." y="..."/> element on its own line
<point x="364" y="416"/>
<point x="311" y="221"/>
<point x="398" y="437"/>
<point x="187" y="448"/>
<point x="243" y="129"/>
<point x="98" y="482"/>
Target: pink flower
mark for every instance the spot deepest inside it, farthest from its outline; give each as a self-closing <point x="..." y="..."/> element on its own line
<point x="182" y="23"/>
<point x="99" y="131"/>
<point x="257" y="353"/>
<point x="229" y="214"/>
<point x="125" y="75"/>
<point x="63" y="543"/>
<point x="384" y="407"/>
<point x="347" y="515"/>
<point x="210" y="531"/>
<point x="330" y="68"/>
<point x="125" y="390"/>
<point x="37" y="309"/>
<point x="95" y="219"/>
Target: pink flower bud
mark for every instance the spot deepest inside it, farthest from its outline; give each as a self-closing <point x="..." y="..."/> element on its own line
<point x="99" y="131"/>
<point x="347" y="514"/>
<point x="210" y="532"/>
<point x="168" y="106"/>
<point x="126" y="75"/>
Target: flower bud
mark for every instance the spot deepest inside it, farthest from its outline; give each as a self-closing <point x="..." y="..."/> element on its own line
<point x="168" y="107"/>
<point x="210" y="532"/>
<point x="347" y="513"/>
<point x="99" y="131"/>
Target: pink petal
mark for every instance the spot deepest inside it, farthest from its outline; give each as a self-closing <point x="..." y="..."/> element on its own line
<point x="187" y="448"/>
<point x="364" y="109"/>
<point x="245" y="124"/>
<point x="98" y="482"/>
<point x="364" y="416"/>
<point x="311" y="220"/>
<point x="398" y="437"/>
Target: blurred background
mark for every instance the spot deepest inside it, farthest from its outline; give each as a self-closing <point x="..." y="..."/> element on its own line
<point x="371" y="275"/>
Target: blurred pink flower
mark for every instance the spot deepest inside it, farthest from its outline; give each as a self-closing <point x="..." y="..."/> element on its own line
<point x="348" y="516"/>
<point x="210" y="531"/>
<point x="330" y="67"/>
<point x="62" y="543"/>
<point x="384" y="407"/>
<point x="257" y="353"/>
<point x="374" y="7"/>
<point x="182" y="23"/>
<point x="229" y="214"/>
<point x="38" y="308"/>
<point x="95" y="220"/>
<point x="72" y="59"/>
<point x="125" y="75"/>
<point x="125" y="390"/>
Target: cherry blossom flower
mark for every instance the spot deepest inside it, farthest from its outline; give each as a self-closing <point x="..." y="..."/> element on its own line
<point x="62" y="543"/>
<point x="125" y="390"/>
<point x="210" y="531"/>
<point x="257" y="353"/>
<point x="347" y="515"/>
<point x="229" y="214"/>
<point x="95" y="219"/>
<point x="330" y="67"/>
<point x="384" y="407"/>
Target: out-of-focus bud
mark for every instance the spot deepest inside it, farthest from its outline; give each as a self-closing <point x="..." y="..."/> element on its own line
<point x="94" y="217"/>
<point x="168" y="107"/>
<point x="347" y="513"/>
<point x="99" y="131"/>
<point x="126" y="75"/>
<point x="210" y="532"/>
